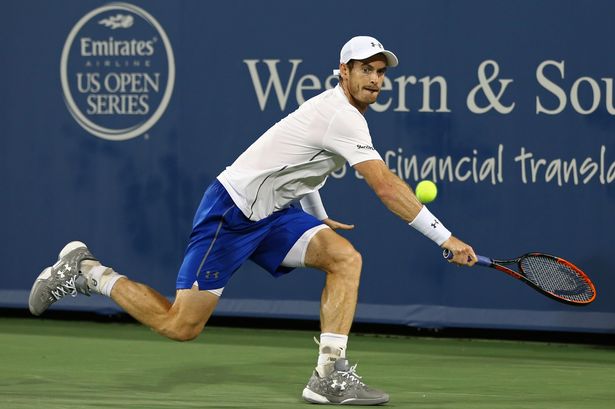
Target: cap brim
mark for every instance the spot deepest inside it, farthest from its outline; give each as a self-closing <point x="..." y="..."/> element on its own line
<point x="392" y="60"/>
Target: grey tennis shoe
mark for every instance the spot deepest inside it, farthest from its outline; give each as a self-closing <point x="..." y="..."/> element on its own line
<point x="342" y="387"/>
<point x="62" y="279"/>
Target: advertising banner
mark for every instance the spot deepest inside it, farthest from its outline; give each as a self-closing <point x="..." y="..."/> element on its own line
<point x="117" y="116"/>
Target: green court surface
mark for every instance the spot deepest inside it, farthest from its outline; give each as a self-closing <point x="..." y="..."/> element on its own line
<point x="52" y="364"/>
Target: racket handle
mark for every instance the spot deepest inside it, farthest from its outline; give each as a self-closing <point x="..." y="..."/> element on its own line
<point x="481" y="260"/>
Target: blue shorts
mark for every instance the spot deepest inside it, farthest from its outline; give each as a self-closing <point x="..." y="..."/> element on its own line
<point x="223" y="239"/>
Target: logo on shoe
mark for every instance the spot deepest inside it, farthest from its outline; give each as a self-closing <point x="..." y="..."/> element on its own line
<point x="65" y="268"/>
<point x="335" y="385"/>
<point x="117" y="71"/>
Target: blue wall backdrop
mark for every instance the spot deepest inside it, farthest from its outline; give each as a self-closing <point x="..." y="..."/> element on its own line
<point x="115" y="117"/>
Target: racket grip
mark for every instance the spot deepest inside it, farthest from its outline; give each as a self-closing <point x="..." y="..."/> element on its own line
<point x="481" y="260"/>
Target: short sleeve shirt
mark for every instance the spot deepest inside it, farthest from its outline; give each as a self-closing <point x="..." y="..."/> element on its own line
<point x="295" y="156"/>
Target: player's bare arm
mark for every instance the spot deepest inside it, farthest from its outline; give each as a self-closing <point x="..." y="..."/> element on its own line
<point x="392" y="191"/>
<point x="399" y="198"/>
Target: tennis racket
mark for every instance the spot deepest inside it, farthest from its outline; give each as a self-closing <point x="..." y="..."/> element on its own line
<point x="550" y="275"/>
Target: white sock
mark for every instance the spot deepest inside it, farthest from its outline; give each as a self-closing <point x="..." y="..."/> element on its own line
<point x="332" y="347"/>
<point x="101" y="279"/>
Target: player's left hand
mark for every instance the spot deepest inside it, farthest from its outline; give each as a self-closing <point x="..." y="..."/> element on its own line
<point x="337" y="225"/>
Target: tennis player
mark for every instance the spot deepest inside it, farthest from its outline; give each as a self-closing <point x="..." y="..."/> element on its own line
<point x="250" y="211"/>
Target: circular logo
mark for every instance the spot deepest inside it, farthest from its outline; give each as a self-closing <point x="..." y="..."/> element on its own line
<point x="117" y="71"/>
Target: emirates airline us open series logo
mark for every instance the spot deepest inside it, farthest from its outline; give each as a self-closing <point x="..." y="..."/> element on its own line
<point x="117" y="71"/>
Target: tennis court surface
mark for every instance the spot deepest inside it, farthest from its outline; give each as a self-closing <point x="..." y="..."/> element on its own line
<point x="53" y="364"/>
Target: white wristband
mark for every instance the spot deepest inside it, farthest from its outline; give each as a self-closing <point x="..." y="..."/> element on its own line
<point x="430" y="226"/>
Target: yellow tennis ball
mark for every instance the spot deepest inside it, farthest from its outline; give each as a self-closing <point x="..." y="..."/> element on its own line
<point x="426" y="191"/>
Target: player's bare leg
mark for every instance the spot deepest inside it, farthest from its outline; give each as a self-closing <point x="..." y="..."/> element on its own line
<point x="182" y="321"/>
<point x="78" y="271"/>
<point x="334" y="381"/>
<point x="333" y="254"/>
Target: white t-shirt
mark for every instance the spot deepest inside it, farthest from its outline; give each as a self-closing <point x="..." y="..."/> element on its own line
<point x="296" y="155"/>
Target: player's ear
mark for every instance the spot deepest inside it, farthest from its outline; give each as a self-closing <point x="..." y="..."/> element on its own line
<point x="344" y="71"/>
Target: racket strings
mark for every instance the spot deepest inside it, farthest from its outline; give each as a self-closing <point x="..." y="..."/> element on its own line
<point x="556" y="278"/>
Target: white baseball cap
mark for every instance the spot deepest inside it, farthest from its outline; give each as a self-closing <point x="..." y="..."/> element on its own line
<point x="362" y="47"/>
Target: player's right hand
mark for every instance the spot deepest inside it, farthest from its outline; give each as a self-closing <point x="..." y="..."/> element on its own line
<point x="463" y="254"/>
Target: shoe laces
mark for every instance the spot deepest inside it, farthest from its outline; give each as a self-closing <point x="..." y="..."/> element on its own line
<point x="65" y="288"/>
<point x="352" y="375"/>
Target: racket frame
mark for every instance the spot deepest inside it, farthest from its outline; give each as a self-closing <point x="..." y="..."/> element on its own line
<point x="500" y="266"/>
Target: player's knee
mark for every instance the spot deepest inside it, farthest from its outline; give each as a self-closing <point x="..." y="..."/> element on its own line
<point x="356" y="260"/>
<point x="183" y="331"/>
<point x="348" y="262"/>
<point x="187" y="336"/>
<point x="184" y="334"/>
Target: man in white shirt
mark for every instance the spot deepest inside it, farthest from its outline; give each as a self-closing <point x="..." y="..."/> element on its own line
<point x="250" y="212"/>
